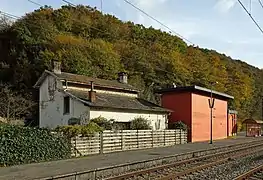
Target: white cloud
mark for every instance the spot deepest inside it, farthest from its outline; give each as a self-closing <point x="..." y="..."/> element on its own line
<point x="225" y="6"/>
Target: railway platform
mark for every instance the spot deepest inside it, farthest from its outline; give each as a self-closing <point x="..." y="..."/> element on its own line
<point x="53" y="168"/>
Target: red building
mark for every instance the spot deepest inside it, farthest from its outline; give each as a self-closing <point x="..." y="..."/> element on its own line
<point x="191" y="106"/>
<point x="232" y="123"/>
<point x="253" y="127"/>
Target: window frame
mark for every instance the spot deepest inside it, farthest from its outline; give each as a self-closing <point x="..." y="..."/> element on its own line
<point x="66" y="105"/>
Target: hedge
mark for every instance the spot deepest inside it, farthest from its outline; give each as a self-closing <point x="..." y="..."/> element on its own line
<point x="83" y="130"/>
<point x="19" y="145"/>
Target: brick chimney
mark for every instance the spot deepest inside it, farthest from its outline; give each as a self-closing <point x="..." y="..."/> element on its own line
<point x="57" y="67"/>
<point x="92" y="93"/>
<point x="123" y="77"/>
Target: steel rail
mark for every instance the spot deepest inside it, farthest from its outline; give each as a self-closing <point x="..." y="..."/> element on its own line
<point x="206" y="165"/>
<point x="194" y="154"/>
<point x="188" y="161"/>
<point x="250" y="173"/>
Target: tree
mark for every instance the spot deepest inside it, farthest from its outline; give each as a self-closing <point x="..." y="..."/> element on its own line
<point x="90" y="43"/>
<point x="14" y="105"/>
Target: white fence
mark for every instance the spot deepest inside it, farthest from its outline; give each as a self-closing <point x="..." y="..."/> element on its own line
<point x="111" y="141"/>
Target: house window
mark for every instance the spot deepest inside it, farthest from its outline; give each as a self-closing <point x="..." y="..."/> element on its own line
<point x="66" y="105"/>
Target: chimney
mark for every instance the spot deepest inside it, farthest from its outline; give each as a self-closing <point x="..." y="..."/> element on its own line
<point x="123" y="77"/>
<point x="92" y="93"/>
<point x="57" y="67"/>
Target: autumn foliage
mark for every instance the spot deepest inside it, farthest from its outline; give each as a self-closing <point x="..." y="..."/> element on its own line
<point x="89" y="43"/>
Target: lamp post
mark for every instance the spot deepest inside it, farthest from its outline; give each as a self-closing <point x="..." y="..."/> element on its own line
<point x="211" y="106"/>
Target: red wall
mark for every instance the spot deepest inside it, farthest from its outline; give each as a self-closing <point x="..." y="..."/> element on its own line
<point x="232" y="124"/>
<point x="201" y="118"/>
<point x="194" y="111"/>
<point x="180" y="103"/>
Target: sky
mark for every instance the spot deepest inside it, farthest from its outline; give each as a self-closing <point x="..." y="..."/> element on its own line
<point x="221" y="25"/>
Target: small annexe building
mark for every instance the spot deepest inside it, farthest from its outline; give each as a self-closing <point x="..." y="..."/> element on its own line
<point x="190" y="105"/>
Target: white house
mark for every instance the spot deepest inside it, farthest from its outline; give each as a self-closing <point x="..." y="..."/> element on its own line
<point x="64" y="95"/>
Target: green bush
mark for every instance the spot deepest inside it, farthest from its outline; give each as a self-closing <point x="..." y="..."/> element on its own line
<point x="177" y="125"/>
<point x="83" y="130"/>
<point x="19" y="145"/>
<point x="103" y="122"/>
<point x="140" y="124"/>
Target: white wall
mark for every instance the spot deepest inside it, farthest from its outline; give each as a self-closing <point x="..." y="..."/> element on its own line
<point x="51" y="109"/>
<point x="157" y="121"/>
<point x="51" y="105"/>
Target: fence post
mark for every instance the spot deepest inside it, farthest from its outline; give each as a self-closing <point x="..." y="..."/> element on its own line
<point x="152" y="138"/>
<point x="180" y="136"/>
<point x="175" y="136"/>
<point x="75" y="149"/>
<point x="137" y="139"/>
<point x="122" y="139"/>
<point x="101" y="142"/>
<point x="164" y="137"/>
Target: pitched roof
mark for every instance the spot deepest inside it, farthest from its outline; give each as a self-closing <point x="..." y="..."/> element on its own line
<point x="81" y="79"/>
<point x="113" y="101"/>
<point x="194" y="89"/>
<point x="254" y="121"/>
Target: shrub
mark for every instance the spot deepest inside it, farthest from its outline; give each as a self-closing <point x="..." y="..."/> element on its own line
<point x="83" y="130"/>
<point x="90" y="128"/>
<point x="178" y="125"/>
<point x="103" y="122"/>
<point x="140" y="124"/>
<point x="73" y="121"/>
<point x="19" y="145"/>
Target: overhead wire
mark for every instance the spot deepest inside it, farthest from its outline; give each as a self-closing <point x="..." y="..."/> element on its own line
<point x="261" y="4"/>
<point x="36" y="3"/>
<point x="156" y="20"/>
<point x="70" y="3"/>
<point x="9" y="15"/>
<point x="250" y="16"/>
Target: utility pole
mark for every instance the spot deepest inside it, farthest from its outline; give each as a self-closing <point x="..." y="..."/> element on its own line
<point x="211" y="103"/>
<point x="211" y="106"/>
<point x="101" y="6"/>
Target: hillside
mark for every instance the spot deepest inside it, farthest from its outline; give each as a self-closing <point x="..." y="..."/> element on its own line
<point x="89" y="43"/>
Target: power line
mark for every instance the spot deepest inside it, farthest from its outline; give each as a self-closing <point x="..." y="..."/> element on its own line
<point x="101" y="5"/>
<point x="261" y="4"/>
<point x="71" y="4"/>
<point x="158" y="21"/>
<point x="250" y="16"/>
<point x="9" y="15"/>
<point x="34" y="2"/>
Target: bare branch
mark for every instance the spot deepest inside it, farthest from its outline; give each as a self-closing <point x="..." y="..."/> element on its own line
<point x="12" y="104"/>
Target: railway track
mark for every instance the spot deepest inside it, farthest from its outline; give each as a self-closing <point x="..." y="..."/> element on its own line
<point x="254" y="174"/>
<point x="189" y="167"/>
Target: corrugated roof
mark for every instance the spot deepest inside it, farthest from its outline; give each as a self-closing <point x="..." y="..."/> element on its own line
<point x="194" y="89"/>
<point x="118" y="102"/>
<point x="250" y="120"/>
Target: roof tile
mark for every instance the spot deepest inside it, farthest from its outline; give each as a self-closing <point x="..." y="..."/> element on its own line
<point x="118" y="102"/>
